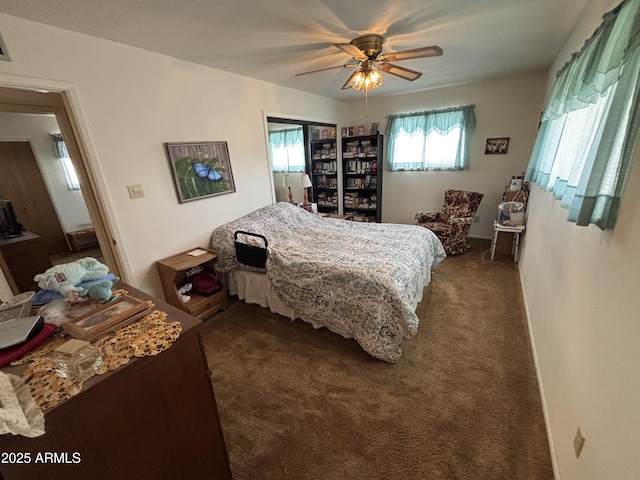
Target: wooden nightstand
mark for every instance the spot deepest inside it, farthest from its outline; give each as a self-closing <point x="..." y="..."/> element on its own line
<point x="173" y="271"/>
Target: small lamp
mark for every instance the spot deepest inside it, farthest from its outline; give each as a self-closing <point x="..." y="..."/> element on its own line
<point x="305" y="182"/>
<point x="287" y="181"/>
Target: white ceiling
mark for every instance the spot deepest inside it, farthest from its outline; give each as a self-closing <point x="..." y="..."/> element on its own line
<point x="272" y="40"/>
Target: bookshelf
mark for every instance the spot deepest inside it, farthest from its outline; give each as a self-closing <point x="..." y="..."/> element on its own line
<point x="362" y="177"/>
<point x="324" y="175"/>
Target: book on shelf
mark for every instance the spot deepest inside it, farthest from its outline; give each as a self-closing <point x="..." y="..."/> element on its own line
<point x="350" y="199"/>
<point x="325" y="167"/>
<point x="359" y="216"/>
<point x="361" y="166"/>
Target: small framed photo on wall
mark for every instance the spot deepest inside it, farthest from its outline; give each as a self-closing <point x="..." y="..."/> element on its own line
<point x="496" y="146"/>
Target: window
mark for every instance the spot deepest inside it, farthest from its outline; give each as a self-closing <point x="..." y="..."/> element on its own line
<point x="433" y="140"/>
<point x="69" y="171"/>
<point x="70" y="174"/>
<point x="287" y="150"/>
<point x="590" y="124"/>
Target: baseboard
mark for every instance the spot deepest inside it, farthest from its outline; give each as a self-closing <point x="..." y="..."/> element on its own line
<point x="481" y="237"/>
<point x="545" y="411"/>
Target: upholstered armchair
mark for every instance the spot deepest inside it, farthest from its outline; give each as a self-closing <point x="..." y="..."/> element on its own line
<point x="453" y="222"/>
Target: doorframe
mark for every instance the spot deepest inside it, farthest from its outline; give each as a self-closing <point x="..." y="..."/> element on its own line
<point x="280" y="117"/>
<point x="28" y="95"/>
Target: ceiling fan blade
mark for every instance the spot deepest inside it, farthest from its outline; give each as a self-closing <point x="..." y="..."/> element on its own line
<point x="346" y="65"/>
<point x="432" y="51"/>
<point x="401" y="72"/>
<point x="347" y="84"/>
<point x="352" y="50"/>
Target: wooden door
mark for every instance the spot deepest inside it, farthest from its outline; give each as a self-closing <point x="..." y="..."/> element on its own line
<point x="21" y="182"/>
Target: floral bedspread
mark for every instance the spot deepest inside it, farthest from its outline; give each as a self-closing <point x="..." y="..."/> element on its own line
<point x="360" y="280"/>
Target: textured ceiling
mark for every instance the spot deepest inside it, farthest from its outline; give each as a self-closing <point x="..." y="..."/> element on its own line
<point x="272" y="40"/>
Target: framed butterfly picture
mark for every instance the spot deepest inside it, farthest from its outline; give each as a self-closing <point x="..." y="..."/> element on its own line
<point x="200" y="169"/>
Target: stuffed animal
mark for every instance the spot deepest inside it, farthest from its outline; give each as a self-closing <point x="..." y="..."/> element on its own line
<point x="63" y="278"/>
<point x="100" y="291"/>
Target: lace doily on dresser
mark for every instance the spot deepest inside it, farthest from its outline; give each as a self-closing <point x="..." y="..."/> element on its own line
<point x="148" y="336"/>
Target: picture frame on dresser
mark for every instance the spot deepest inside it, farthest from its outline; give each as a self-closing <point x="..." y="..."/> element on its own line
<point x="96" y="322"/>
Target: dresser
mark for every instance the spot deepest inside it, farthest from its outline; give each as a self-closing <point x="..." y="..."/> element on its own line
<point x="155" y="417"/>
<point x="22" y="258"/>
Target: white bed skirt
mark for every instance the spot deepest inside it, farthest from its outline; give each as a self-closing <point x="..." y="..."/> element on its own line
<point x="254" y="287"/>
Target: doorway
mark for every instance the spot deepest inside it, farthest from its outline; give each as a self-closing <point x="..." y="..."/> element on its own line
<point x="22" y="183"/>
<point x="308" y="127"/>
<point x="16" y="100"/>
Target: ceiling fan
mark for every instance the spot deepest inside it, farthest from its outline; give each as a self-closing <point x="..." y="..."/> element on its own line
<point x="367" y="50"/>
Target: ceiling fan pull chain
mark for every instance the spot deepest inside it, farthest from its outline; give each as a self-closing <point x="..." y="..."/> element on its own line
<point x="366" y="105"/>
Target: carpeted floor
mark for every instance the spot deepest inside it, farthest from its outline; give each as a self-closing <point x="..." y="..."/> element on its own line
<point x="461" y="403"/>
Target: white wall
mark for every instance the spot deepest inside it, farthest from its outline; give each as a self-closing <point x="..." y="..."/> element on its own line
<point x="37" y="129"/>
<point x="505" y="107"/>
<point x="130" y="102"/>
<point x="581" y="288"/>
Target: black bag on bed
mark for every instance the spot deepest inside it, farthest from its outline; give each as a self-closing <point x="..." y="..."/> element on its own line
<point x="251" y="255"/>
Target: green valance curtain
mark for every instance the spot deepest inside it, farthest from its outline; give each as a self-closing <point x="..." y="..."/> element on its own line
<point x="287" y="149"/>
<point x="59" y="145"/>
<point x="424" y="123"/>
<point x="286" y="137"/>
<point x="590" y="123"/>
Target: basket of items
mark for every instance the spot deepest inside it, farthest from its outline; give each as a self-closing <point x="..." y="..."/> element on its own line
<point x="511" y="213"/>
<point x="251" y="248"/>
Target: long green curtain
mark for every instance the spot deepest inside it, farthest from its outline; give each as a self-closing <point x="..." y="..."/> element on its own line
<point x="63" y="154"/>
<point x="422" y="124"/>
<point x="589" y="127"/>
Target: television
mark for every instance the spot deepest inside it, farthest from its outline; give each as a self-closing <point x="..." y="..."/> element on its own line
<point x="10" y="227"/>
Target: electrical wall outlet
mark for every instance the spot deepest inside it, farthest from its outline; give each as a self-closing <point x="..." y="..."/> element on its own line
<point x="578" y="443"/>
<point x="135" y="191"/>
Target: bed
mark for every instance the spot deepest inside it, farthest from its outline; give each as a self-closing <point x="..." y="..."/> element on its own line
<point x="359" y="280"/>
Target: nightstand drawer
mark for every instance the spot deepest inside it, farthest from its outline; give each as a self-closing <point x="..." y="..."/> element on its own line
<point x="200" y="305"/>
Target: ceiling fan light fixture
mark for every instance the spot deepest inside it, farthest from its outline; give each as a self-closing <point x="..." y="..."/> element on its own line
<point x="366" y="80"/>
